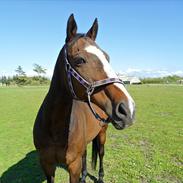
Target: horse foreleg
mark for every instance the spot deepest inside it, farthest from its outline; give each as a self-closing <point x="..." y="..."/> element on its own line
<point x="49" y="170"/>
<point x="84" y="167"/>
<point x="75" y="170"/>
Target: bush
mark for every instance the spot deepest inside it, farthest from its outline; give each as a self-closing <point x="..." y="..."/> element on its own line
<point x="162" y="80"/>
<point x="24" y="80"/>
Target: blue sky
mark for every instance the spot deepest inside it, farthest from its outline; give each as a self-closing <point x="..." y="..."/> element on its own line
<point x="143" y="38"/>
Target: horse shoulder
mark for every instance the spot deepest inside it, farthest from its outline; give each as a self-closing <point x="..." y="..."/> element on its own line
<point x="77" y="132"/>
<point x="93" y="126"/>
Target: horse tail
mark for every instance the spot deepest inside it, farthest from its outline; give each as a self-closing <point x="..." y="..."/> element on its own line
<point x="94" y="153"/>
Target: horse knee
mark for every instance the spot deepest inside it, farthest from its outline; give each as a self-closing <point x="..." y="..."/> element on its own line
<point x="75" y="170"/>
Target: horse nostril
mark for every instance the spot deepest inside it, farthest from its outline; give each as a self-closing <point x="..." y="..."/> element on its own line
<point x="121" y="109"/>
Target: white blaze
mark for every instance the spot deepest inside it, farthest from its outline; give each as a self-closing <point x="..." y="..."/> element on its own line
<point x="107" y="68"/>
<point x="111" y="74"/>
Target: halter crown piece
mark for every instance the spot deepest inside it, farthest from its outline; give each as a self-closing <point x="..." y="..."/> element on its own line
<point x="90" y="87"/>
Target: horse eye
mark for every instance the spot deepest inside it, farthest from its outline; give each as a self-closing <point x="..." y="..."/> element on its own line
<point x="80" y="61"/>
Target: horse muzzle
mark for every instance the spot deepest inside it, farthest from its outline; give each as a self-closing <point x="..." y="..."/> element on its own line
<point x="123" y="115"/>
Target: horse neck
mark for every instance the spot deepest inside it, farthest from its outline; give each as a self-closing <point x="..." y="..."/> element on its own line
<point x="59" y="88"/>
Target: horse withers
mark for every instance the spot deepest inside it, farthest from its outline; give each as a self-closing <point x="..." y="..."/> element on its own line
<point x="84" y="93"/>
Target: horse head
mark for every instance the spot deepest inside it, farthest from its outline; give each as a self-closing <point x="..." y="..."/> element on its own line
<point x="91" y="77"/>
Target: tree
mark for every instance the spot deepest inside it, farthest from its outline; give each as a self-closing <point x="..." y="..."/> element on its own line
<point x="20" y="71"/>
<point x="39" y="69"/>
<point x="3" y="80"/>
<point x="20" y="78"/>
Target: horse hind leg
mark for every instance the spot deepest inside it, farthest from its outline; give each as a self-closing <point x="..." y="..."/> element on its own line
<point x="101" y="138"/>
<point x="84" y="167"/>
<point x="98" y="150"/>
<point x="101" y="168"/>
<point x="49" y="170"/>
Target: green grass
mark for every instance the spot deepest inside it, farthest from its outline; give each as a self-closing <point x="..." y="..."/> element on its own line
<point x="149" y="151"/>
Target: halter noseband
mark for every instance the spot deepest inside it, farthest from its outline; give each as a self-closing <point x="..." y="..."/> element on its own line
<point x="90" y="87"/>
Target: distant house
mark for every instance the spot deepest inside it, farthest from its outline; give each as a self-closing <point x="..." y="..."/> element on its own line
<point x="135" y="80"/>
<point x="129" y="79"/>
<point x="125" y="79"/>
<point x="180" y="81"/>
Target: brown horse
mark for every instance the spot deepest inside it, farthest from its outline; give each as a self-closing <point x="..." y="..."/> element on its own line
<point x="84" y="89"/>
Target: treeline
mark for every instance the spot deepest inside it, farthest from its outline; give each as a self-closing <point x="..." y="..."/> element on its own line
<point x="21" y="79"/>
<point x="163" y="80"/>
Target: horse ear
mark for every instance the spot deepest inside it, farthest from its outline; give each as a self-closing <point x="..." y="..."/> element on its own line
<point x="71" y="28"/>
<point x="92" y="33"/>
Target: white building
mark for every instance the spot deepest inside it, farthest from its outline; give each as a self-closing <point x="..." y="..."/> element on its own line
<point x="129" y="79"/>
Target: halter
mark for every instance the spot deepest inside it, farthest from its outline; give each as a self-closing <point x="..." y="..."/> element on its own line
<point x="90" y="87"/>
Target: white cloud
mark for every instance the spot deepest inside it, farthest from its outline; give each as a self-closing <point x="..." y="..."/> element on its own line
<point x="130" y="70"/>
<point x="6" y="73"/>
<point x="30" y="73"/>
<point x="179" y="73"/>
<point x="49" y="73"/>
<point x="151" y="72"/>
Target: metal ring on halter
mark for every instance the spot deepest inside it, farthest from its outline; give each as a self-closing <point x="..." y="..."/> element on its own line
<point x="90" y="90"/>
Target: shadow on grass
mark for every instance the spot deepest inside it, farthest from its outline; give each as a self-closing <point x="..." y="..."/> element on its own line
<point x="26" y="170"/>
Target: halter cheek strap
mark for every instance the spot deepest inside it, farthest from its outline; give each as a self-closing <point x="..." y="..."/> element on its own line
<point x="72" y="72"/>
<point x="90" y="87"/>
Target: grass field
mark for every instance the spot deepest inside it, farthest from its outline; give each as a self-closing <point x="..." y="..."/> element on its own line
<point x="149" y="151"/>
